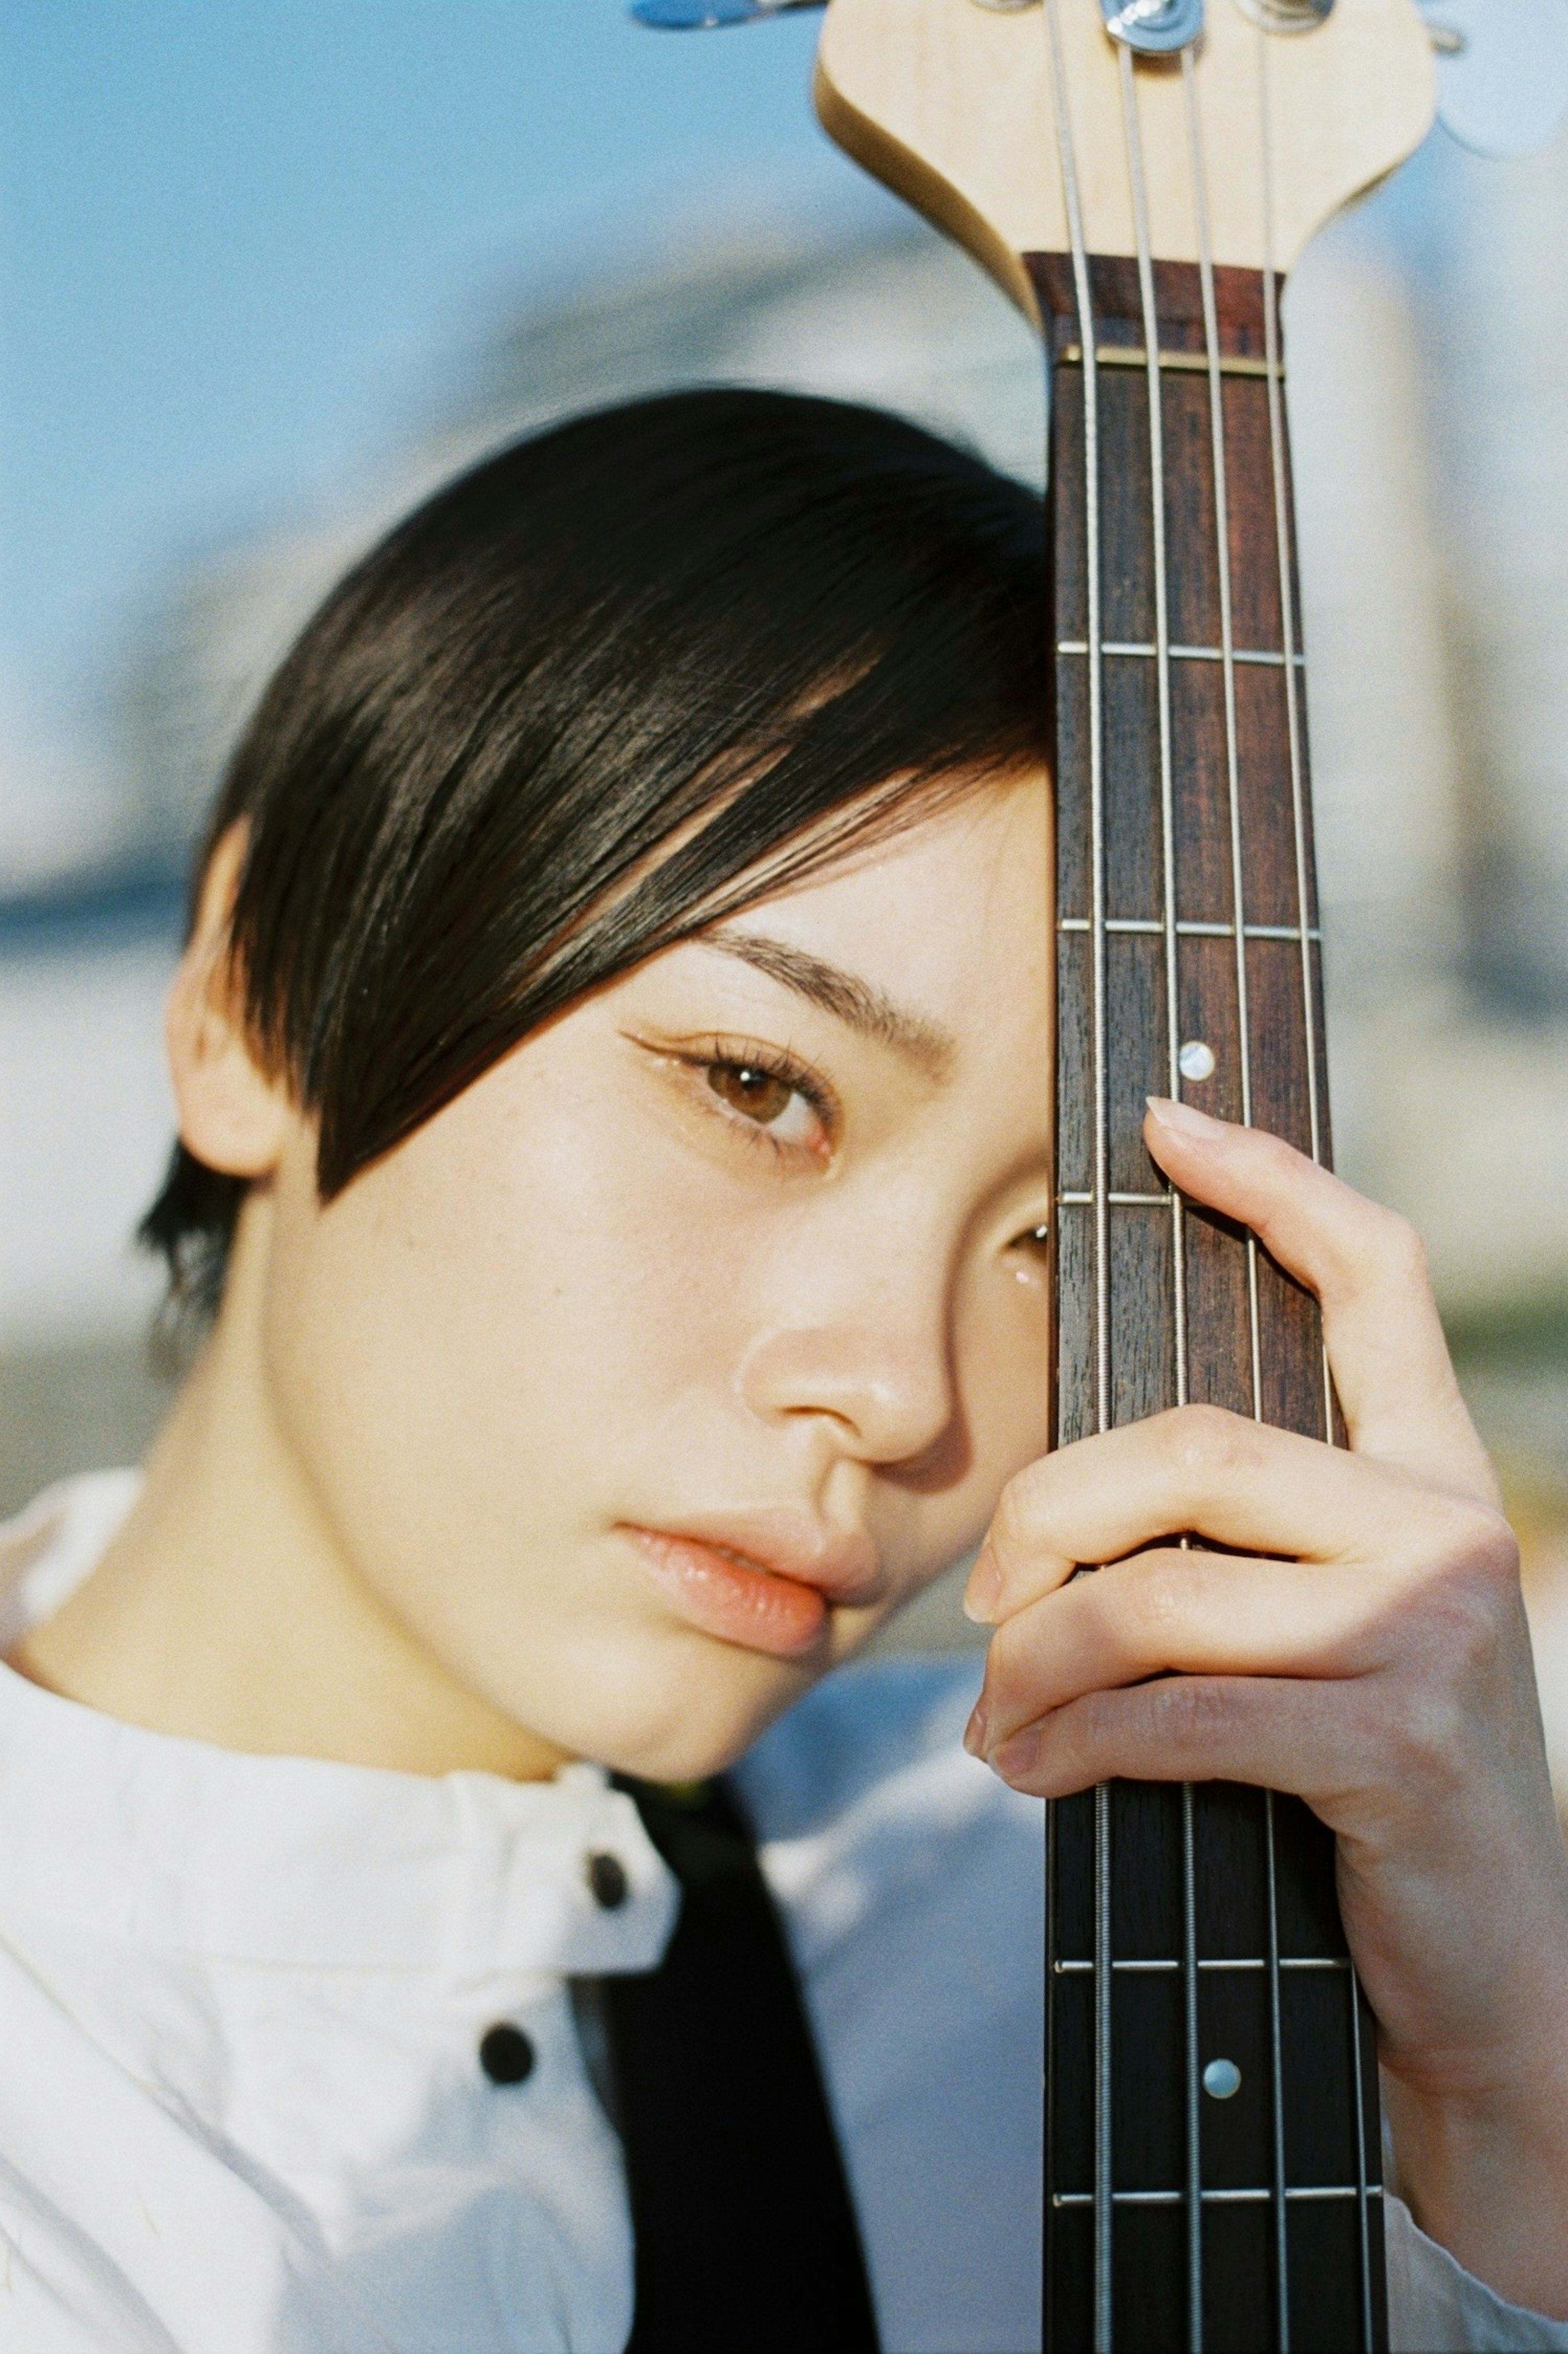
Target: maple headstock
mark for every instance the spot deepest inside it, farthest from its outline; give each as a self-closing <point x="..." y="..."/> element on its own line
<point x="951" y="104"/>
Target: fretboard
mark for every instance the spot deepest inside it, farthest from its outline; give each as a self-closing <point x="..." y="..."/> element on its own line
<point x="1213" y="2143"/>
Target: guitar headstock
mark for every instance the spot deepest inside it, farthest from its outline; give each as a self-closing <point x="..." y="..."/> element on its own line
<point x="951" y="102"/>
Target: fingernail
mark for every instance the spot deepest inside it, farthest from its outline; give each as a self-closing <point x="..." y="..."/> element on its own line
<point x="974" y="1730"/>
<point x="983" y="1591"/>
<point x="1019" y="1755"/>
<point x="1183" y="1117"/>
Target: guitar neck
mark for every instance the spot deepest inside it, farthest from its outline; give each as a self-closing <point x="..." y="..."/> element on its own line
<point x="1188" y="1928"/>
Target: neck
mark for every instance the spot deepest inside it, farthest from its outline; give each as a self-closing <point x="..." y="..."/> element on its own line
<point x="226" y="1610"/>
<point x="1187" y="965"/>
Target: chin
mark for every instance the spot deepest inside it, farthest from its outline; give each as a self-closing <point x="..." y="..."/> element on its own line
<point x="681" y="1706"/>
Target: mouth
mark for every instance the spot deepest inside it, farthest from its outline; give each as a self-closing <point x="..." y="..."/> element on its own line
<point x="767" y="1582"/>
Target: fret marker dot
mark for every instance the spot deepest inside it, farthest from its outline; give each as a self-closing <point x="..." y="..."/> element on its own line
<point x="1221" y="2079"/>
<point x="1196" y="1060"/>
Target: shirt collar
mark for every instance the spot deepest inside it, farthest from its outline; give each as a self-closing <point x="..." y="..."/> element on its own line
<point x="292" y="1861"/>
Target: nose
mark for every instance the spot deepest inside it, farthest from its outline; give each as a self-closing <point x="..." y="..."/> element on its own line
<point x="873" y="1357"/>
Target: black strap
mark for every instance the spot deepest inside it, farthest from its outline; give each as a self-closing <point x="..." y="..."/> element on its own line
<point x="745" y="2234"/>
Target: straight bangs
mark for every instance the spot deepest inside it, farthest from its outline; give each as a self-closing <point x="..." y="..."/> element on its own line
<point x="615" y="682"/>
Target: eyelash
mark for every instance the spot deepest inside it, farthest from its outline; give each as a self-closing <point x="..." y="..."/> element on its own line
<point x="774" y="1063"/>
<point x="738" y="1054"/>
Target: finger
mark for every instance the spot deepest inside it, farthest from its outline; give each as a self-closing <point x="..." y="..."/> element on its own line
<point x="1238" y="1482"/>
<point x="1275" y="1732"/>
<point x="1187" y="1613"/>
<point x="1366" y="1265"/>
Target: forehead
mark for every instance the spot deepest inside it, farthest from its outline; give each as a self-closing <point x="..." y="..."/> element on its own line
<point x="942" y="915"/>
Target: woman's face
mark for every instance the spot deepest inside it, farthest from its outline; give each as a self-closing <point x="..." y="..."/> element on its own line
<point x="650" y="1376"/>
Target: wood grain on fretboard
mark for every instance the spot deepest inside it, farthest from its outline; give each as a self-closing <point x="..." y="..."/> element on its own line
<point x="1241" y="1955"/>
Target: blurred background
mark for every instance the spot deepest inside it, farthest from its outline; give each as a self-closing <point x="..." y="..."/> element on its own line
<point x="273" y="269"/>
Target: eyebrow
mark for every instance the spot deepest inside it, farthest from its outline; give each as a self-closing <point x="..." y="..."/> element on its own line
<point x="859" y="1004"/>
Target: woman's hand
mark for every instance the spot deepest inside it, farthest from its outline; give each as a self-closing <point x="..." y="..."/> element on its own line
<point x="1379" y="1665"/>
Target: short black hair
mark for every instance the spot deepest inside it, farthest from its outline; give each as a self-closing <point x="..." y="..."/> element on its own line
<point x="602" y="689"/>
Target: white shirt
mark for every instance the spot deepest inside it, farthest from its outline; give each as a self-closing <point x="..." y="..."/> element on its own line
<point x="241" y="2110"/>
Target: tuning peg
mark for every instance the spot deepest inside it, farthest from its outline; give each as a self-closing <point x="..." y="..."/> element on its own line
<point x="702" y="16"/>
<point x="1154" y="29"/>
<point x="1503" y="70"/>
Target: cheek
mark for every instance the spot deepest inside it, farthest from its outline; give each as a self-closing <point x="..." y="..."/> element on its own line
<point x="1001" y="1339"/>
<point x="481" y="1339"/>
<point x="1004" y="1339"/>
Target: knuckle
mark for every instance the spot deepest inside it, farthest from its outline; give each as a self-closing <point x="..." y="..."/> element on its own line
<point x="1478" y="1549"/>
<point x="1465" y="1632"/>
<point x="1070" y="1751"/>
<point x="1161" y="1590"/>
<point x="1374" y="1246"/>
<point x="1203" y="1442"/>
<point x="1465" y="1596"/>
<point x="1187" y="1713"/>
<point x="1491" y="1545"/>
<point x="1019" y="1512"/>
<point x="1394" y="1248"/>
<point x="1419" y="1732"/>
<point x="1409" y="1261"/>
<point x="1276" y="1159"/>
<point x="1008" y="1658"/>
<point x="1471" y="1538"/>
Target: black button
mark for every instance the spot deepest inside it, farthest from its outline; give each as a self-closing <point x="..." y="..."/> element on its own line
<point x="506" y="2055"/>
<point x="607" y="1878"/>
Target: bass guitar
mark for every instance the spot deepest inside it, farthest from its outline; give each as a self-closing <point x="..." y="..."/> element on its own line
<point x="1139" y="175"/>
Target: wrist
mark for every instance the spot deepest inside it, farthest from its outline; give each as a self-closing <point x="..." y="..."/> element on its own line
<point x="1484" y="2170"/>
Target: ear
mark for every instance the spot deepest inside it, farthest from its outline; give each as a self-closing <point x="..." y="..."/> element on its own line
<point x="234" y="1114"/>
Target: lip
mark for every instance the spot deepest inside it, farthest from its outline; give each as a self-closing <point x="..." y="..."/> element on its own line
<point x="765" y="1579"/>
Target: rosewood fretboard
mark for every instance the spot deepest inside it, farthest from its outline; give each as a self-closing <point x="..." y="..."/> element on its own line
<point x="1188" y="2204"/>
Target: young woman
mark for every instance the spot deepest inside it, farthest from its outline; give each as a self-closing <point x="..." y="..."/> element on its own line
<point x="612" y="1056"/>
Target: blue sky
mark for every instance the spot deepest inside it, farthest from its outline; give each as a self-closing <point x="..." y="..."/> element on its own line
<point x="242" y="237"/>
<point x="248" y="246"/>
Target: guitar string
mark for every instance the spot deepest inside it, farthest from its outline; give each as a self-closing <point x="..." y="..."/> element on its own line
<point x="1309" y="1004"/>
<point x="1134" y="143"/>
<point x="1102" y="2198"/>
<point x="1364" y="2192"/>
<point x="1287" y="601"/>
<point x="1295" y="730"/>
<point x="1227" y="649"/>
<point x="1104" y="2205"/>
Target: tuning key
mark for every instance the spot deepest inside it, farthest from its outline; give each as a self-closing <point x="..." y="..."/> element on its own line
<point x="705" y="16"/>
<point x="1153" y="28"/>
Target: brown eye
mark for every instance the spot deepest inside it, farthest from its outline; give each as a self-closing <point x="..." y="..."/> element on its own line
<point x="761" y="1096"/>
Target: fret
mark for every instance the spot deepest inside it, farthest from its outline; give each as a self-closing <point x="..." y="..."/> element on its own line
<point x="1293" y="2191"/>
<point x="1114" y="1201"/>
<point x="1261" y="654"/>
<point x="1215" y="1962"/>
<point x="1154" y="927"/>
<point x="1188" y="363"/>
